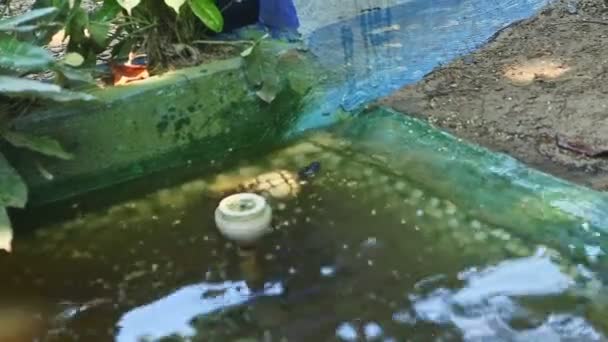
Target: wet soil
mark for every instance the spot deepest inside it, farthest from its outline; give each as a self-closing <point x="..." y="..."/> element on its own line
<point x="537" y="91"/>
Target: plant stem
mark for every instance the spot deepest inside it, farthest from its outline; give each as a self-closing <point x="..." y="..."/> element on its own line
<point x="224" y="42"/>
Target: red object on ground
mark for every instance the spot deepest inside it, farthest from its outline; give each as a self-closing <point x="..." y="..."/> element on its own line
<point x="129" y="72"/>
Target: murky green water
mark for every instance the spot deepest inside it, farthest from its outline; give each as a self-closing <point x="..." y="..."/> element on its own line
<point x="358" y="254"/>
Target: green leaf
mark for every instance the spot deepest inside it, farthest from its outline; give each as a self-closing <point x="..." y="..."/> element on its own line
<point x="269" y="91"/>
<point x="12" y="24"/>
<point x="100" y="23"/>
<point x="247" y="51"/>
<point x="100" y="19"/>
<point x="13" y="192"/>
<point x="175" y="4"/>
<point x="261" y="74"/>
<point x="44" y="145"/>
<point x="52" y="24"/>
<point x="76" y="24"/>
<point x="208" y="13"/>
<point x="6" y="231"/>
<point x="123" y="48"/>
<point x="73" y="59"/>
<point x="99" y="33"/>
<point x="68" y="73"/>
<point x="128" y="4"/>
<point x="22" y="56"/>
<point x="107" y="12"/>
<point x="18" y="87"/>
<point x="24" y="28"/>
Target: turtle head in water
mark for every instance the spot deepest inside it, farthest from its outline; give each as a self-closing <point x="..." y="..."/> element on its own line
<point x="310" y="170"/>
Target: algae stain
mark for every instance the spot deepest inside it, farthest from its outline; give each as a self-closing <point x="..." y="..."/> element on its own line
<point x="181" y="123"/>
<point x="162" y="125"/>
<point x="175" y="120"/>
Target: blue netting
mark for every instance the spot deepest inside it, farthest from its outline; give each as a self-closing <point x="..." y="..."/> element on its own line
<point x="279" y="14"/>
<point x="386" y="48"/>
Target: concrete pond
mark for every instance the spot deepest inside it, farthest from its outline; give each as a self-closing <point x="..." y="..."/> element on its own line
<point x="400" y="232"/>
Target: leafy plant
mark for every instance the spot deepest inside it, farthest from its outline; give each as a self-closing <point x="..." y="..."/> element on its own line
<point x="87" y="34"/>
<point x="166" y="29"/>
<point x="161" y="28"/>
<point x="19" y="59"/>
<point x="206" y="10"/>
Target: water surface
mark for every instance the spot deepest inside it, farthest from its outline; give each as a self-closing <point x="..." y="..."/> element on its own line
<point x="359" y="252"/>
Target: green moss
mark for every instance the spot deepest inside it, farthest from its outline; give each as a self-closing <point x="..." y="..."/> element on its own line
<point x="491" y="187"/>
<point x="207" y="113"/>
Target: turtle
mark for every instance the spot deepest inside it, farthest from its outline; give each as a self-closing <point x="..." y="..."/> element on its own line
<point x="281" y="183"/>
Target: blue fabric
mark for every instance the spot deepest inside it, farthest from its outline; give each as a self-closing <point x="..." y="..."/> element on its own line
<point x="279" y="14"/>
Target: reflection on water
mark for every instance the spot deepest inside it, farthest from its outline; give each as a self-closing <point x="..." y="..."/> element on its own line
<point x="178" y="309"/>
<point x="360" y="253"/>
<point x="531" y="276"/>
<point x="485" y="306"/>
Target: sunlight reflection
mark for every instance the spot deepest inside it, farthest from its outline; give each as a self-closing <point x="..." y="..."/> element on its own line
<point x="173" y="313"/>
<point x="486" y="305"/>
<point x="526" y="72"/>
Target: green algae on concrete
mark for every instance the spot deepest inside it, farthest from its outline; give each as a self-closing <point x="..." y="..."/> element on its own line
<point x="395" y="162"/>
<point x="208" y="113"/>
<point x="222" y="112"/>
<point x="492" y="187"/>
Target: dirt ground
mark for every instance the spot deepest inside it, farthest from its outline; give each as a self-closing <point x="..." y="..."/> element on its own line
<point x="538" y="91"/>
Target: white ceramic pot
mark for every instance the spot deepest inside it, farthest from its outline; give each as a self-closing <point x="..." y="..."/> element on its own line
<point x="243" y="218"/>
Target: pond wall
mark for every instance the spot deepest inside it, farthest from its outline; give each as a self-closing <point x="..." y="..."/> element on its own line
<point x="492" y="187"/>
<point x="211" y="113"/>
<point x="219" y="113"/>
